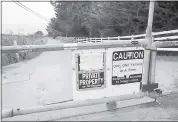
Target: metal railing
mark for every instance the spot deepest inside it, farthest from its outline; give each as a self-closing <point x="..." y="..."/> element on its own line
<point x="72" y="46"/>
<point x="77" y="46"/>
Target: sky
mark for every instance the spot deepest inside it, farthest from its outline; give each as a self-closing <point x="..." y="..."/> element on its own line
<point x="17" y="20"/>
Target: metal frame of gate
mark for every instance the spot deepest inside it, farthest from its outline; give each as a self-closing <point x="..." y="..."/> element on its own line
<point x="148" y="73"/>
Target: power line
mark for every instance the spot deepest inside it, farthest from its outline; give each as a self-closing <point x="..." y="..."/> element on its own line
<point x="29" y="10"/>
<point x="33" y="12"/>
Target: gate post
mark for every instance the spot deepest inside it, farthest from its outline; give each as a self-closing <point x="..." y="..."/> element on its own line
<point x="147" y="85"/>
<point x="153" y="64"/>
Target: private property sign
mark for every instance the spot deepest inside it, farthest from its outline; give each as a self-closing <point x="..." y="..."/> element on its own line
<point x="127" y="66"/>
<point x="89" y="74"/>
<point x="91" y="80"/>
<point x="91" y="70"/>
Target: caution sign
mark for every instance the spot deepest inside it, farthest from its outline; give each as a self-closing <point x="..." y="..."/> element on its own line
<point x="127" y="66"/>
<point x="91" y="80"/>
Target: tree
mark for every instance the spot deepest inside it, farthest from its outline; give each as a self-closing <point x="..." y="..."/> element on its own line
<point x="97" y="19"/>
<point x="39" y="33"/>
<point x="165" y="16"/>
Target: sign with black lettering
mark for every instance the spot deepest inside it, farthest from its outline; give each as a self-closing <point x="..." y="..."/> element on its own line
<point x="91" y="80"/>
<point x="127" y="66"/>
<point x="90" y="70"/>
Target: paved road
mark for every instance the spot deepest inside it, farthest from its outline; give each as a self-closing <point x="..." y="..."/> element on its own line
<point x="47" y="79"/>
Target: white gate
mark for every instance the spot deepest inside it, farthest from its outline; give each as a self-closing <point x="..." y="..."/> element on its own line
<point x="106" y="73"/>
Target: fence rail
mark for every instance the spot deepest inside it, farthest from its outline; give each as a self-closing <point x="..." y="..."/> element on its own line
<point x="171" y="38"/>
<point x="78" y="46"/>
<point x="85" y="39"/>
<point x="72" y="46"/>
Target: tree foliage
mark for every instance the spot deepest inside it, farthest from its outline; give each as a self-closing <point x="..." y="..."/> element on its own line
<point x="97" y="19"/>
<point x="38" y="33"/>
